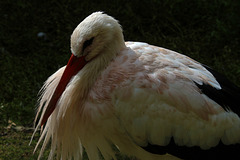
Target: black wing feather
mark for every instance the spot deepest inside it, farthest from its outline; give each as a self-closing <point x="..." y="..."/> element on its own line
<point x="220" y="152"/>
<point x="228" y="97"/>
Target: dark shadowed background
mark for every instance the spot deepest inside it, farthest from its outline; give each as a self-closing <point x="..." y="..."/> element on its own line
<point x="34" y="43"/>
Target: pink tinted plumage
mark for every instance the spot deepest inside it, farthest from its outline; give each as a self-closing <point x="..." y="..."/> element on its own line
<point x="130" y="95"/>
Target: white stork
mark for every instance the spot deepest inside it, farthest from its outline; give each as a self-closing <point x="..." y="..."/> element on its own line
<point x="148" y="102"/>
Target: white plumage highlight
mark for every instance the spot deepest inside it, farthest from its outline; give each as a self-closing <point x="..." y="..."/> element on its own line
<point x="128" y="95"/>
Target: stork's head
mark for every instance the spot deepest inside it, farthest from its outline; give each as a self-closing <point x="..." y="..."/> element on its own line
<point x="96" y="34"/>
<point x="97" y="38"/>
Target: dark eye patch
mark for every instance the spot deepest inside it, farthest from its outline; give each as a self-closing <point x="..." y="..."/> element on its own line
<point x="87" y="43"/>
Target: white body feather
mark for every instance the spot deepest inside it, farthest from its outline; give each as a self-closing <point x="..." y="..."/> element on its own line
<point x="146" y="94"/>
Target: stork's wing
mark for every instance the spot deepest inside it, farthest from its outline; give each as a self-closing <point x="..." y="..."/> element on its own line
<point x="178" y="102"/>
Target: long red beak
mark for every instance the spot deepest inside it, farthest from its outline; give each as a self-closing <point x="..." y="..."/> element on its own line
<point x="75" y="64"/>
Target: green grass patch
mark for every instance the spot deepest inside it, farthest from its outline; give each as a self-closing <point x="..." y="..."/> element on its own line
<point x="14" y="145"/>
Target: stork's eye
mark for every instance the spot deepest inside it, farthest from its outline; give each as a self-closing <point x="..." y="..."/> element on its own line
<point x="87" y="43"/>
